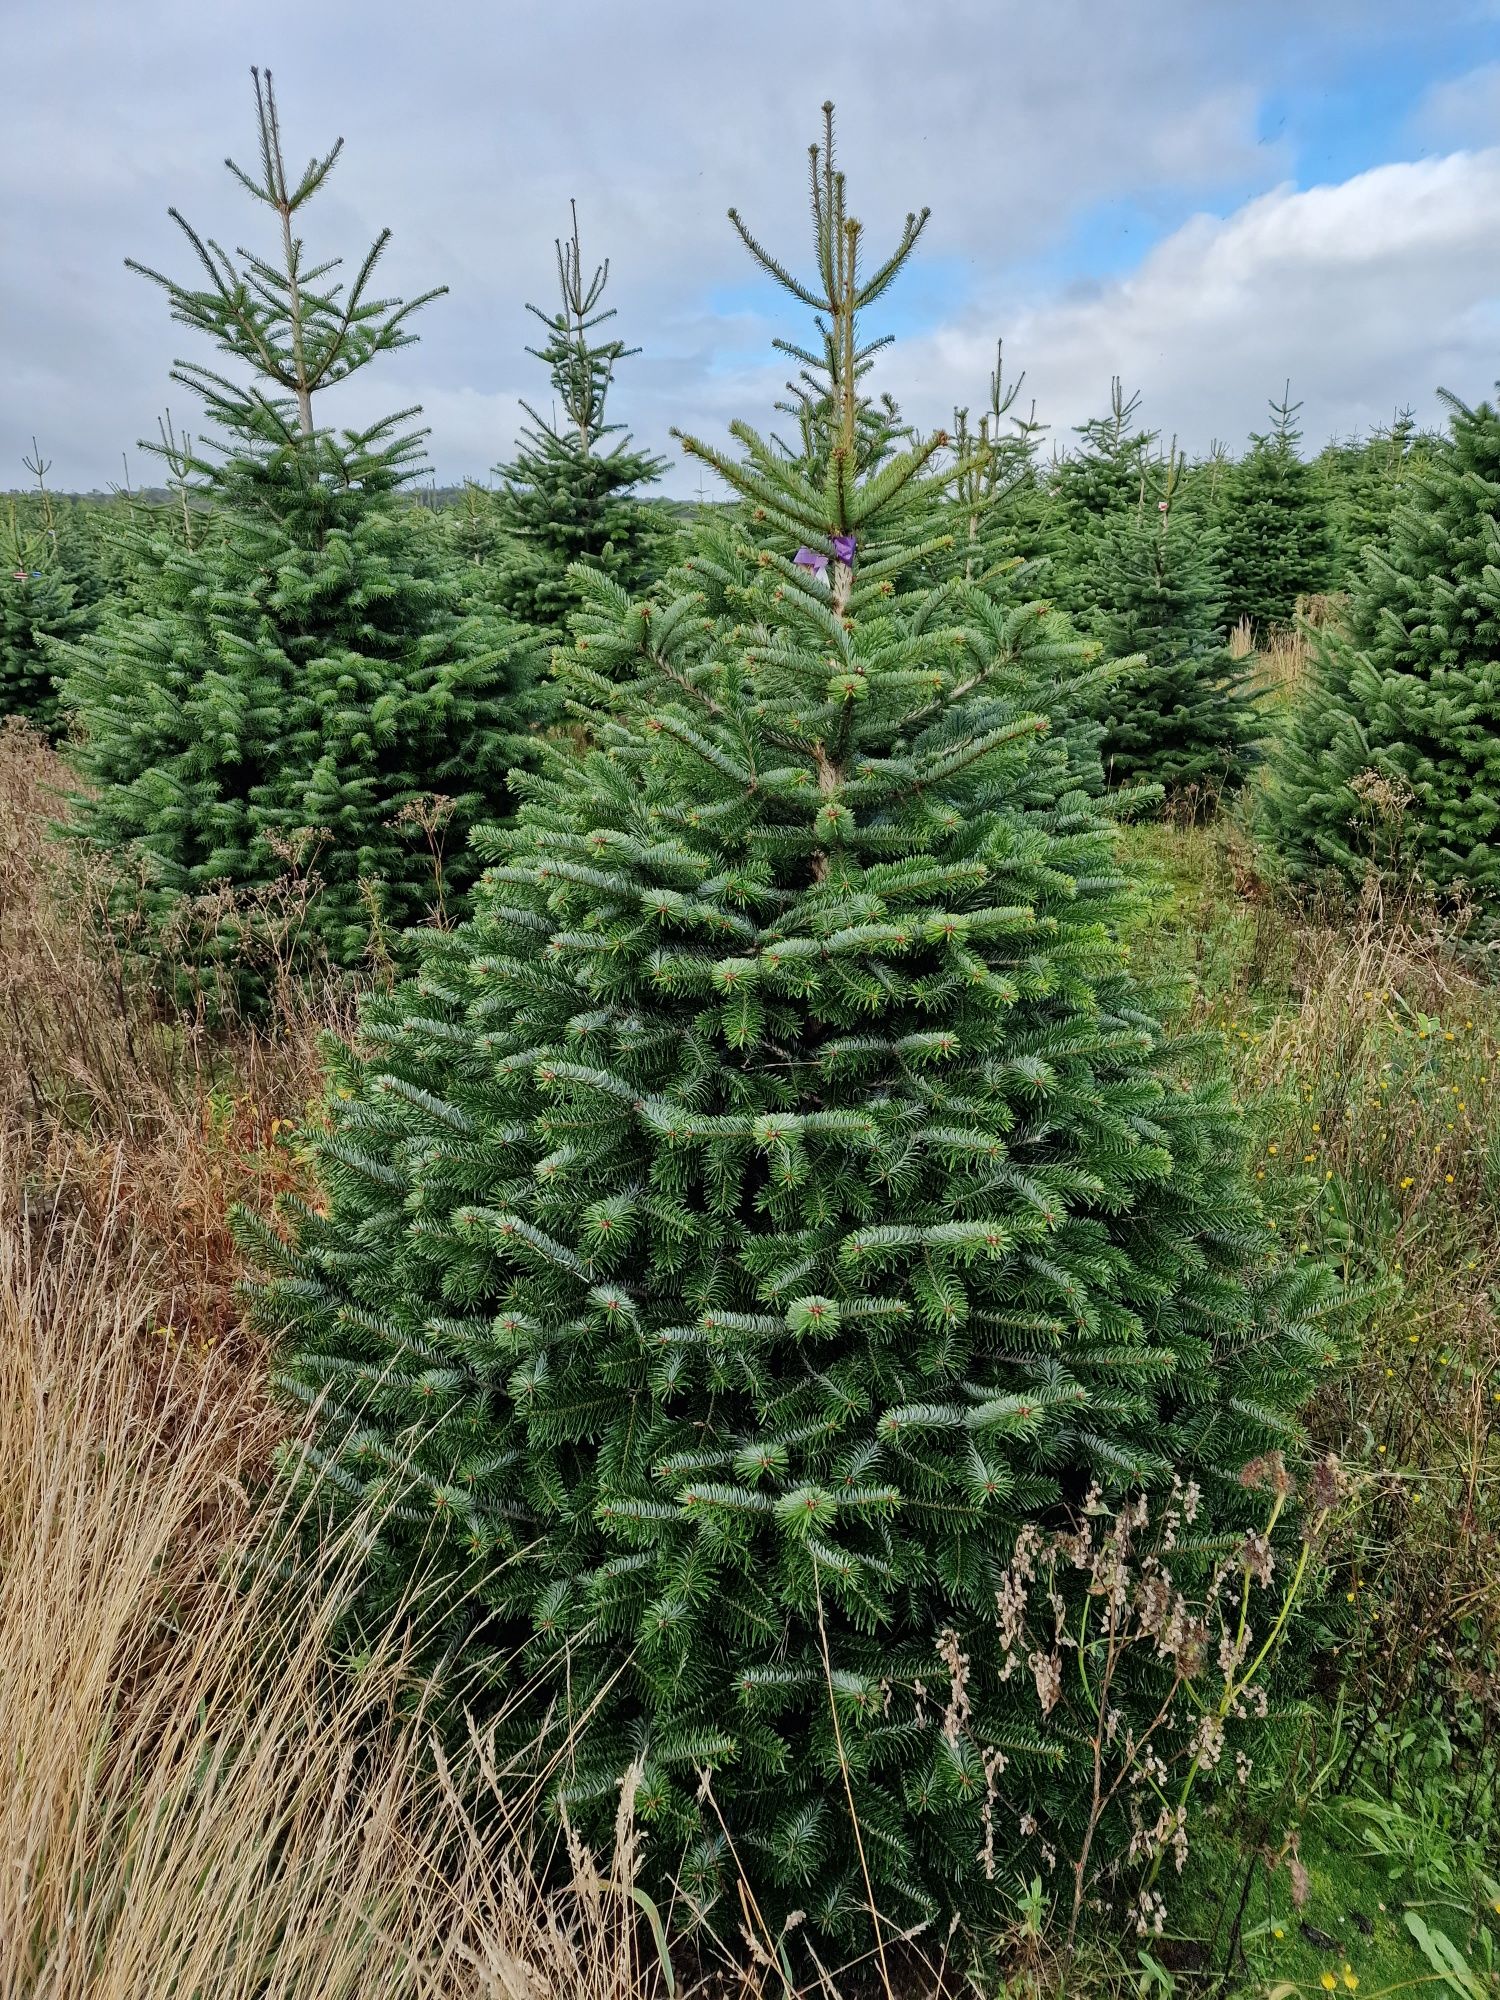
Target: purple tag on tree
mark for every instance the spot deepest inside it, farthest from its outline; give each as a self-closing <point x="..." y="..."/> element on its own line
<point x="843" y="548"/>
<point x="810" y="559"/>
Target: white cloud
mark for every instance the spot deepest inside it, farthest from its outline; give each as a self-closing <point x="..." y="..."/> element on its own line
<point x="1368" y="293"/>
<point x="1463" y="110"/>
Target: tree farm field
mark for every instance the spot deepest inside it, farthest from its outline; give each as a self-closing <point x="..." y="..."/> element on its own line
<point x="749" y="1230"/>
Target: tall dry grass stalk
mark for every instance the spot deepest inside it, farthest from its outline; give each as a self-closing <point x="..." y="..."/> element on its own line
<point x="196" y="1801"/>
<point x="1281" y="663"/>
<point x="1284" y="652"/>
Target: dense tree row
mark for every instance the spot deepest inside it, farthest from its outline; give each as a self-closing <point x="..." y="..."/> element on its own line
<point x="1156" y="557"/>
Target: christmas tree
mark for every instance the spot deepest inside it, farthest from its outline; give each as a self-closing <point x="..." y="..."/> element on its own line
<point x="1273" y="526"/>
<point x="38" y="604"/>
<point x="568" y="497"/>
<point x="303" y="697"/>
<point x="1366" y="480"/>
<point x="1181" y="718"/>
<point x="1095" y="484"/>
<point x="778" y="1193"/>
<point x="1393" y="757"/>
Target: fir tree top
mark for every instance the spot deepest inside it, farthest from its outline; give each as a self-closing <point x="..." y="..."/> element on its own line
<point x="998" y="457"/>
<point x="581" y="369"/>
<point x="296" y="328"/>
<point x="1095" y="483"/>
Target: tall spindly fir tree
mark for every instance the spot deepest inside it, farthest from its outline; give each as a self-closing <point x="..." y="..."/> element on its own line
<point x="570" y="495"/>
<point x="301" y="691"/>
<point x="775" y="1195"/>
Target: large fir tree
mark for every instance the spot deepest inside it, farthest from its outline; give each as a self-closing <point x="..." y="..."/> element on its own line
<point x="778" y="1192"/>
<point x="1181" y="716"/>
<point x="570" y="494"/>
<point x="1273" y="525"/>
<point x="1393" y="757"/>
<point x="303" y="689"/>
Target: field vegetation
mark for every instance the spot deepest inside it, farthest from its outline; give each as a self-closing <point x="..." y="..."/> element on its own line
<point x="808" y="1307"/>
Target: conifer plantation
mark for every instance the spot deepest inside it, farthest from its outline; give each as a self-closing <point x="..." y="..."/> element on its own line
<point x="749" y="1244"/>
<point x="776" y="1195"/>
<point x="304" y="707"/>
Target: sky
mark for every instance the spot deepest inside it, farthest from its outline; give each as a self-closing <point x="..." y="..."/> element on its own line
<point x="1204" y="197"/>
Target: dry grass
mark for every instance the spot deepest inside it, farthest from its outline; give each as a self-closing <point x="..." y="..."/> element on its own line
<point x="153" y="1124"/>
<point x="1280" y="662"/>
<point x="198" y="1802"/>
